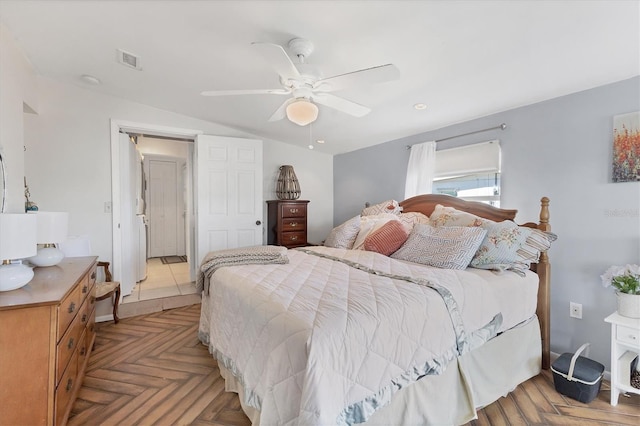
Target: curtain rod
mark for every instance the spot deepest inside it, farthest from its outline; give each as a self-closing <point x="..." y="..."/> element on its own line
<point x="501" y="127"/>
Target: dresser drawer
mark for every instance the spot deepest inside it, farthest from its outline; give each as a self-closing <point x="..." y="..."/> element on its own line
<point x="292" y="239"/>
<point x="628" y="335"/>
<point x="65" y="389"/>
<point x="293" y="210"/>
<point x="67" y="346"/>
<point x="67" y="310"/>
<point x="87" y="285"/>
<point x="294" y="224"/>
<point x="83" y="349"/>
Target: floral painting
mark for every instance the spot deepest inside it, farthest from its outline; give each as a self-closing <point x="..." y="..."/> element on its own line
<point x="626" y="147"/>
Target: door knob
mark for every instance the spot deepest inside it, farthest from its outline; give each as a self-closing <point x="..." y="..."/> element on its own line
<point x="258" y="222"/>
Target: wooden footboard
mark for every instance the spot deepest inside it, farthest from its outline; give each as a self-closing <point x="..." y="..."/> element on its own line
<point x="426" y="204"/>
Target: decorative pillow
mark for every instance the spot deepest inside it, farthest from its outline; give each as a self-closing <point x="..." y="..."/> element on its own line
<point x="344" y="235"/>
<point x="537" y="241"/>
<point x="368" y="224"/>
<point x="411" y="218"/>
<point x="390" y="206"/>
<point x="449" y="216"/>
<point x="449" y="247"/>
<point x="499" y="249"/>
<point x="386" y="239"/>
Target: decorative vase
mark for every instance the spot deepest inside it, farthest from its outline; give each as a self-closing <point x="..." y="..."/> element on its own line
<point x="287" y="187"/>
<point x="628" y="304"/>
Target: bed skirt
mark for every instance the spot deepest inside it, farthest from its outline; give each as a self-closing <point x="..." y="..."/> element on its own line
<point x="473" y="381"/>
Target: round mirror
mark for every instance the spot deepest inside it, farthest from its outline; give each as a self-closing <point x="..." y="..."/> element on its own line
<point x="3" y="185"/>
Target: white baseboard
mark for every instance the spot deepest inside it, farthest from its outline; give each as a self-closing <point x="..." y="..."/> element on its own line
<point x="104" y="318"/>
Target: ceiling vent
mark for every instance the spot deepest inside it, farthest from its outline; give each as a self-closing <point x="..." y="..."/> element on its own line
<point x="129" y="59"/>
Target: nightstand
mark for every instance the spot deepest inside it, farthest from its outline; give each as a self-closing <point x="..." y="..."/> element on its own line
<point x="625" y="342"/>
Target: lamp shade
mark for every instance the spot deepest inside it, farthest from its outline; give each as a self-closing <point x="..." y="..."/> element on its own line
<point x="17" y="236"/>
<point x="52" y="226"/>
<point x="302" y="112"/>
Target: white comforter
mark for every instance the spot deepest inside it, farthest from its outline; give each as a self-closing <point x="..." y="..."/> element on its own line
<point x="320" y="342"/>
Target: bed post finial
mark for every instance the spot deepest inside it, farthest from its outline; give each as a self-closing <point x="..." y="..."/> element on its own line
<point x="544" y="213"/>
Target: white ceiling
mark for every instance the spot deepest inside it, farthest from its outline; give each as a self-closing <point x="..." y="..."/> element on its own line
<point x="463" y="59"/>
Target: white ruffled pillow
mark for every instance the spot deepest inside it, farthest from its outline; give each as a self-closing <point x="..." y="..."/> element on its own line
<point x="390" y="206"/>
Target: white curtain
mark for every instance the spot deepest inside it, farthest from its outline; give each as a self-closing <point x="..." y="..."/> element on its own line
<point x="421" y="169"/>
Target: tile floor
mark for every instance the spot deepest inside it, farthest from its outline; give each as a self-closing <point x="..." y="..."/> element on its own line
<point x="162" y="281"/>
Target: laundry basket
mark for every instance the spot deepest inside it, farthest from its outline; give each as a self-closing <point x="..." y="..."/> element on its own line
<point x="576" y="376"/>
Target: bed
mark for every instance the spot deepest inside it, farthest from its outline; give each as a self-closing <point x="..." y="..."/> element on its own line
<point x="340" y="336"/>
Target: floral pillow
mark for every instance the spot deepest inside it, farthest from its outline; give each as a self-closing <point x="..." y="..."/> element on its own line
<point x="450" y="247"/>
<point x="344" y="235"/>
<point x="386" y="239"/>
<point x="449" y="216"/>
<point x="390" y="206"/>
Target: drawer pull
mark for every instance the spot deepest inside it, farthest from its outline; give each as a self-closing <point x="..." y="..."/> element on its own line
<point x="293" y="210"/>
<point x="84" y="318"/>
<point x="69" y="384"/>
<point x="85" y="289"/>
<point x="294" y="224"/>
<point x="293" y="238"/>
<point x="83" y="351"/>
<point x="93" y="275"/>
<point x="72" y="307"/>
<point x="70" y="344"/>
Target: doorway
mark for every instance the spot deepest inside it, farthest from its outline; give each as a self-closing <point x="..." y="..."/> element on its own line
<point x="167" y="194"/>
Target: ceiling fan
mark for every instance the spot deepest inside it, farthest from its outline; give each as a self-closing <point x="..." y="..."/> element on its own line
<point x="307" y="86"/>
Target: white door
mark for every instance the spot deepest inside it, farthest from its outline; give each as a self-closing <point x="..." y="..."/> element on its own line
<point x="163" y="208"/>
<point x="127" y="224"/>
<point x="228" y="193"/>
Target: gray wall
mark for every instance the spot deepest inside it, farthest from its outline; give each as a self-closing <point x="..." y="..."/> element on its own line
<point x="562" y="149"/>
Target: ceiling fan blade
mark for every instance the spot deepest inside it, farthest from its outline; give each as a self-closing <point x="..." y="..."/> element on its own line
<point x="278" y="58"/>
<point x="281" y="112"/>
<point x="246" y="92"/>
<point x="366" y="76"/>
<point x="341" y="104"/>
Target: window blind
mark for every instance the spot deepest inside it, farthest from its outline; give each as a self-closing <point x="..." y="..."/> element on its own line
<point x="481" y="157"/>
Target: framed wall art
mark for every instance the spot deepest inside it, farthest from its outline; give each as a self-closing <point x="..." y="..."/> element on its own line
<point x="626" y="147"/>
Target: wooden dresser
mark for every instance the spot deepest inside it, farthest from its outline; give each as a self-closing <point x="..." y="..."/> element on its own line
<point x="287" y="223"/>
<point x="47" y="330"/>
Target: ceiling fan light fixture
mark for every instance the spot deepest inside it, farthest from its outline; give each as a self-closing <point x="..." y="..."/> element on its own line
<point x="302" y="112"/>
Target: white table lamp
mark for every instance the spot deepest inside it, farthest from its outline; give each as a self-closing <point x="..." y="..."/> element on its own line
<point x="17" y="241"/>
<point x="52" y="230"/>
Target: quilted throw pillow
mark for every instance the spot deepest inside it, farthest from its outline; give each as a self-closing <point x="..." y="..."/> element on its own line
<point x="344" y="235"/>
<point x="390" y="206"/>
<point x="410" y="219"/>
<point x="386" y="239"/>
<point x="449" y="247"/>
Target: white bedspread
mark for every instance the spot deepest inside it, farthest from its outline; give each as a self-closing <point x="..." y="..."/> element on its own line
<point x="319" y="342"/>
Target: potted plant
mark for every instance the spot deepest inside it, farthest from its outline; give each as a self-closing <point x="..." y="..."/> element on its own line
<point x="626" y="281"/>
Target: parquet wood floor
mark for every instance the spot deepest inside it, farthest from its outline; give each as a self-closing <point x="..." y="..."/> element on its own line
<point x="152" y="370"/>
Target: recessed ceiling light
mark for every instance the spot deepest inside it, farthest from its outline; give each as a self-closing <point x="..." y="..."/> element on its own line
<point x="91" y="79"/>
<point x="320" y="141"/>
<point x="420" y="106"/>
<point x="310" y="146"/>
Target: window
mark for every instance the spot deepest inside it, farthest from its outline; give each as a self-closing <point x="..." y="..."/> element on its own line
<point x="470" y="172"/>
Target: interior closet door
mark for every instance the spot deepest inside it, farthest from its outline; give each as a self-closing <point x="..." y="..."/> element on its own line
<point x="229" y="202"/>
<point x="163" y="208"/>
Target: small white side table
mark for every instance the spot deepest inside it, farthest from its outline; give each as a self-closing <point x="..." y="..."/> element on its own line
<point x="625" y="336"/>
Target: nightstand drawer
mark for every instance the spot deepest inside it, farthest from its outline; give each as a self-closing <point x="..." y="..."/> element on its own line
<point x="294" y="210"/>
<point x="291" y="239"/>
<point x="293" y="224"/>
<point x="628" y="335"/>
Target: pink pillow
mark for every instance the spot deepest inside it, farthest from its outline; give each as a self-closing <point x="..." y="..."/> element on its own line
<point x="387" y="239"/>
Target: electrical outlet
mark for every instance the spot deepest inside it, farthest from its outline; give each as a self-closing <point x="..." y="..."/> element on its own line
<point x="575" y="310"/>
<point x="107" y="206"/>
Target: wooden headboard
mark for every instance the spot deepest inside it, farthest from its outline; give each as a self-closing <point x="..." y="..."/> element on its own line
<point x="426" y="204"/>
